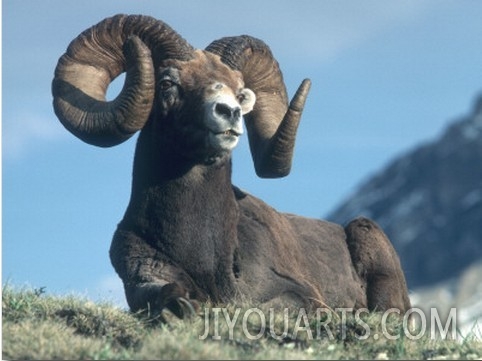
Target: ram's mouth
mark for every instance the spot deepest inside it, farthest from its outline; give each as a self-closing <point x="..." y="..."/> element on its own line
<point x="230" y="133"/>
<point x="224" y="140"/>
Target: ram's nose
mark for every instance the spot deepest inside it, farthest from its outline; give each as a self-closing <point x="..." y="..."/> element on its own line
<point x="227" y="112"/>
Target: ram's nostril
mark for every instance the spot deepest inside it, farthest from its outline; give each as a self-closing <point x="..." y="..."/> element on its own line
<point x="224" y="110"/>
<point x="237" y="113"/>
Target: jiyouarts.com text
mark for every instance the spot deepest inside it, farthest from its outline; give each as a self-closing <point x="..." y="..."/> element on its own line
<point x="316" y="325"/>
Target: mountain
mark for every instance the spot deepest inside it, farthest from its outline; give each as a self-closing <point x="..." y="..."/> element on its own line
<point x="429" y="202"/>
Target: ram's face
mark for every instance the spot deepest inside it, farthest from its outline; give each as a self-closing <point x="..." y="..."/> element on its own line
<point x="202" y="101"/>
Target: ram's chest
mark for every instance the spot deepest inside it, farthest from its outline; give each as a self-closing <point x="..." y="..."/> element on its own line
<point x="196" y="232"/>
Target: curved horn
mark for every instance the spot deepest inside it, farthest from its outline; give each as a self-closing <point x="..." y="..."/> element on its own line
<point x="272" y="124"/>
<point x="95" y="58"/>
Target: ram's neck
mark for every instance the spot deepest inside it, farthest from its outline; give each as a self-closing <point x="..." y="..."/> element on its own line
<point x="186" y="211"/>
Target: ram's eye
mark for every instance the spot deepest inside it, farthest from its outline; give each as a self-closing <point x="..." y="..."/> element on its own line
<point x="166" y="84"/>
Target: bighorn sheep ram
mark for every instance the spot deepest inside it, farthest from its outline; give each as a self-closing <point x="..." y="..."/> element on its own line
<point x="188" y="234"/>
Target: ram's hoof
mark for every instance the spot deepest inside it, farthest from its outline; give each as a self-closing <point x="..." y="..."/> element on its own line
<point x="181" y="308"/>
<point x="190" y="308"/>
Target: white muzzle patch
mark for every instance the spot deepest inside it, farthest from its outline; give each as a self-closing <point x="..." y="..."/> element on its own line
<point x="224" y="116"/>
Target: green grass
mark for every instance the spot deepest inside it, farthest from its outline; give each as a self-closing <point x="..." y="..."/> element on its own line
<point x="39" y="326"/>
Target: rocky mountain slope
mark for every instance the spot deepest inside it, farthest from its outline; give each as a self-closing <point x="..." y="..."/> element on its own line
<point x="429" y="202"/>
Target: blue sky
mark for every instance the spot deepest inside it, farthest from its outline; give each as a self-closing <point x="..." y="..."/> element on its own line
<point x="387" y="75"/>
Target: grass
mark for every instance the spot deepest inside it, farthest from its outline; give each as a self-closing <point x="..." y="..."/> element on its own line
<point x="39" y="326"/>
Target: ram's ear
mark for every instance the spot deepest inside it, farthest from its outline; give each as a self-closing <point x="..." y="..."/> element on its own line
<point x="247" y="99"/>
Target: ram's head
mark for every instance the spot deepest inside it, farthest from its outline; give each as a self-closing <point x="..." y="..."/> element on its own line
<point x="200" y="93"/>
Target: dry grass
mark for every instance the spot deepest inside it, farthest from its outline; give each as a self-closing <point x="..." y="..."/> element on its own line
<point x="38" y="326"/>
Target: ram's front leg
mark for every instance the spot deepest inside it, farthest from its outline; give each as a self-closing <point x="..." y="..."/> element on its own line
<point x="151" y="282"/>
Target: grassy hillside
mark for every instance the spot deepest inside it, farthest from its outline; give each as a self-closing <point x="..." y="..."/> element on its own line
<point x="38" y="326"/>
